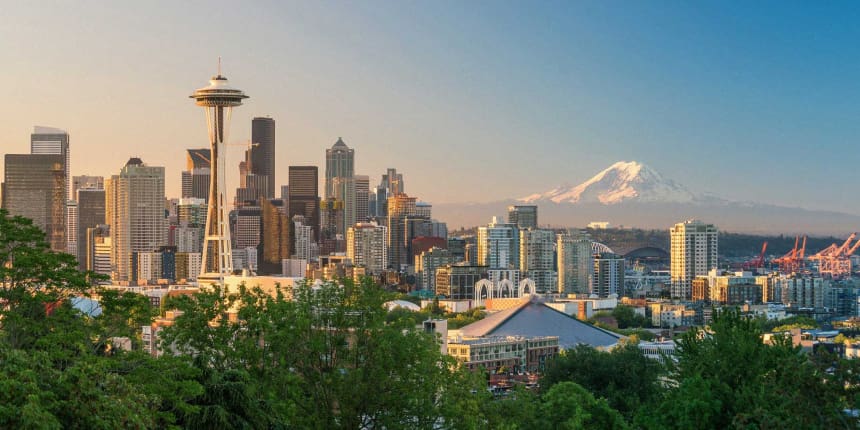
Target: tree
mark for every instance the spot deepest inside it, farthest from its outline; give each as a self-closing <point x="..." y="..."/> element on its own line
<point x="727" y="377"/>
<point x="624" y="377"/>
<point x="568" y="405"/>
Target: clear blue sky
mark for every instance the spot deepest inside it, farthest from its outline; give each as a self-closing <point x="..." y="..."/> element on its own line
<point x="472" y="100"/>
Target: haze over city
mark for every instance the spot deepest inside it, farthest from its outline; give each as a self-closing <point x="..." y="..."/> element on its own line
<point x="750" y="102"/>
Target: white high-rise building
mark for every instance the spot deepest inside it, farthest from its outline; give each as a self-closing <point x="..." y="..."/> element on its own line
<point x="575" y="263"/>
<point x="537" y="258"/>
<point x="304" y="235"/>
<point x="137" y="214"/>
<point x="366" y="247"/>
<point x="693" y="253"/>
<point x="72" y="227"/>
<point x="498" y="246"/>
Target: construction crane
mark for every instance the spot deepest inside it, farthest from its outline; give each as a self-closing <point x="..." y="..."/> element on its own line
<point x="836" y="260"/>
<point x="757" y="263"/>
<point x="793" y="260"/>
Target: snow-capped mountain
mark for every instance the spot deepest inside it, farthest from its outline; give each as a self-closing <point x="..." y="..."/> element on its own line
<point x="622" y="182"/>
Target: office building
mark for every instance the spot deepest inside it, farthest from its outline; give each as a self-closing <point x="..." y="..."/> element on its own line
<point x="98" y="250"/>
<point x="608" y="275"/>
<point x="331" y="218"/>
<point x="400" y="207"/>
<point x="366" y="247"/>
<point x="457" y="246"/>
<point x="247" y="230"/>
<point x="196" y="177"/>
<point x="344" y="191"/>
<point x="275" y="234"/>
<point x="91" y="213"/>
<point x="86" y="182"/>
<point x="34" y="187"/>
<point x="263" y="153"/>
<point x="523" y="217"/>
<point x="362" y="198"/>
<point x="575" y="263"/>
<point x="498" y="245"/>
<point x="137" y="215"/>
<point x="392" y="182"/>
<point x="693" y="248"/>
<point x="537" y="258"/>
<point x="457" y="282"/>
<point x="53" y="141"/>
<point x="304" y="198"/>
<point x="339" y="163"/>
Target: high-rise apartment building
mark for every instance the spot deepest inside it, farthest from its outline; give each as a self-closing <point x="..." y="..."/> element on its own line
<point x="523" y="216"/>
<point x="304" y="197"/>
<point x="426" y="264"/>
<point x="498" y="245"/>
<point x="34" y="187"/>
<point x="575" y="263"/>
<point x="365" y="247"/>
<point x="693" y="253"/>
<point x="72" y="227"/>
<point x="303" y="239"/>
<point x="400" y="207"/>
<point x="608" y="275"/>
<point x="137" y="216"/>
<point x="263" y="152"/>
<point x="537" y="258"/>
<point x="246" y="227"/>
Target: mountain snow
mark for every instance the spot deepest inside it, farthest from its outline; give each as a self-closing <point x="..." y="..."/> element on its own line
<point x="622" y="181"/>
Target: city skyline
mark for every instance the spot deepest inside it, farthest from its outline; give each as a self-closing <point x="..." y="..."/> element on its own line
<point x="555" y="91"/>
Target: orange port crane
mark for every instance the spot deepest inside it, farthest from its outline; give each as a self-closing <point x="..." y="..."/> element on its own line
<point x="793" y="261"/>
<point x="758" y="263"/>
<point x="836" y="260"/>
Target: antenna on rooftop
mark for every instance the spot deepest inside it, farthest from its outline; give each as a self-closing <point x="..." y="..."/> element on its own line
<point x="219" y="65"/>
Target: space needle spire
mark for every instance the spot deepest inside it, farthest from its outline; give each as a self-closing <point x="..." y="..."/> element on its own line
<point x="218" y="100"/>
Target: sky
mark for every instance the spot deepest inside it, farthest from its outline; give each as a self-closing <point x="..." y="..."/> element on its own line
<point x="471" y="100"/>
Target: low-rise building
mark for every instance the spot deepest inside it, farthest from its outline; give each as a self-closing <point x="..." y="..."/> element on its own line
<point x="515" y="353"/>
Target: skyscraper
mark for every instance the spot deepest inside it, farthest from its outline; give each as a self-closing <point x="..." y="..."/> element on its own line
<point x="498" y="245"/>
<point x="304" y="198"/>
<point x="195" y="179"/>
<point x="399" y="208"/>
<point x="575" y="263"/>
<point x="218" y="100"/>
<point x="275" y="239"/>
<point x="362" y="198"/>
<point x="523" y="216"/>
<point x="365" y="247"/>
<point x="34" y="187"/>
<point x="339" y="163"/>
<point x="91" y="214"/>
<point x="340" y="181"/>
<point x="608" y="275"/>
<point x="537" y="258"/>
<point x="49" y="140"/>
<point x="137" y="221"/>
<point x="693" y="253"/>
<point x="263" y="153"/>
<point x="85" y="182"/>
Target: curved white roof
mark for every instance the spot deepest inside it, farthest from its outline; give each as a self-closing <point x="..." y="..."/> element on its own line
<point x="402" y="304"/>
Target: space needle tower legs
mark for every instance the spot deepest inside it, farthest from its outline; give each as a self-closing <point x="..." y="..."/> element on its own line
<point x="218" y="100"/>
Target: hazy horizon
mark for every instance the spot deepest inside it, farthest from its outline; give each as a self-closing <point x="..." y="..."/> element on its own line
<point x="472" y="102"/>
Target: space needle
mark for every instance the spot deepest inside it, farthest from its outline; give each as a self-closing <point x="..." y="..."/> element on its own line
<point x="218" y="100"/>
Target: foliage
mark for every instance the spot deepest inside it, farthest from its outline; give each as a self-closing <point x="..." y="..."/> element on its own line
<point x="727" y="377"/>
<point x="624" y="377"/>
<point x="785" y="324"/>
<point x="627" y="317"/>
